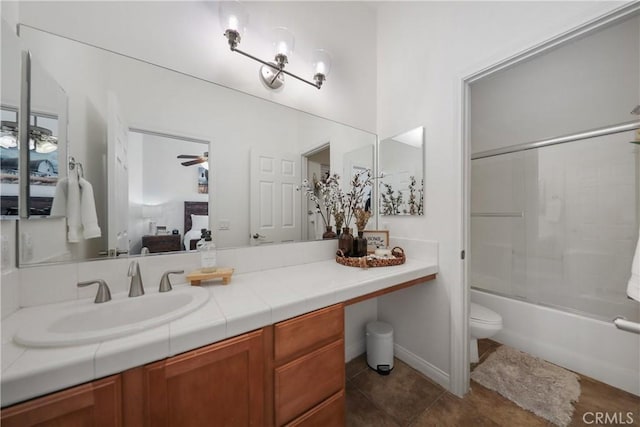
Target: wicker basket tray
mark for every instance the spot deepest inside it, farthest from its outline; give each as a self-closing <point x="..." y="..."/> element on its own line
<point x="397" y="258"/>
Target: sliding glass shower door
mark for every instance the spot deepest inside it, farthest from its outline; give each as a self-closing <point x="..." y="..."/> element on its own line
<point x="558" y="225"/>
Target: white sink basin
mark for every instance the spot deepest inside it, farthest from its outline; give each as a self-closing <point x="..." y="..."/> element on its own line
<point x="83" y="322"/>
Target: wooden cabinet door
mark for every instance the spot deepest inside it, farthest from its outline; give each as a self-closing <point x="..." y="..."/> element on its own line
<point x="218" y="385"/>
<point x="94" y="404"/>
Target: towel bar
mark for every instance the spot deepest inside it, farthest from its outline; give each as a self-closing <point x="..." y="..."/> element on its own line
<point x="626" y="325"/>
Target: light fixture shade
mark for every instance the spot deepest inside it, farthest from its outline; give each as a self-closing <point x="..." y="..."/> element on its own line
<point x="233" y="16"/>
<point x="283" y="41"/>
<point x="8" y="140"/>
<point x="46" y="145"/>
<point x="321" y="62"/>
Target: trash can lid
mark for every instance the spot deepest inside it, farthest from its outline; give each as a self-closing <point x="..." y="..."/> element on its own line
<point x="379" y="328"/>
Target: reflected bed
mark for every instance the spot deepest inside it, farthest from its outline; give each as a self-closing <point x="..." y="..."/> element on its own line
<point x="199" y="210"/>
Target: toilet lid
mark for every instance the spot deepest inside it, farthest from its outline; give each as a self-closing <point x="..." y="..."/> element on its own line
<point x="483" y="314"/>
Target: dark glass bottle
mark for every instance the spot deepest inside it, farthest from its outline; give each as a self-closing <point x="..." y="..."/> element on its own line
<point x="345" y="243"/>
<point x="360" y="245"/>
<point x="329" y="234"/>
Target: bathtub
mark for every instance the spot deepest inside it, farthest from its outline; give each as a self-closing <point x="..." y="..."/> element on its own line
<point x="591" y="347"/>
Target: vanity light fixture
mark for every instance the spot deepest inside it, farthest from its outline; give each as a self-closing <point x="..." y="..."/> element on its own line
<point x="40" y="139"/>
<point x="234" y="18"/>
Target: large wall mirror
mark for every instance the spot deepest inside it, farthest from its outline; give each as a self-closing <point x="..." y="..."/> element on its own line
<point x="401" y="185"/>
<point x="166" y="154"/>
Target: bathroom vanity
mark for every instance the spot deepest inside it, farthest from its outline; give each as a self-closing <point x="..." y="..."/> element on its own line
<point x="281" y="363"/>
<point x="244" y="380"/>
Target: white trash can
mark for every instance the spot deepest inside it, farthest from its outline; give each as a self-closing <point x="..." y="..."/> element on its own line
<point x="380" y="347"/>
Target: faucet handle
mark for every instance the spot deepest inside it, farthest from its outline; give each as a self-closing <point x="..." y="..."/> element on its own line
<point x="103" y="295"/>
<point x="135" y="287"/>
<point x="134" y="268"/>
<point x="165" y="283"/>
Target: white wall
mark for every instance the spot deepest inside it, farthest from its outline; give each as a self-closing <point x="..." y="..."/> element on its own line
<point x="186" y="36"/>
<point x="356" y="317"/>
<point x="424" y="52"/>
<point x="10" y="276"/>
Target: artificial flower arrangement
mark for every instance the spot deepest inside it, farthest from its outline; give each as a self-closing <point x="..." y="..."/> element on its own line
<point x="393" y="203"/>
<point x="323" y="193"/>
<point x="358" y="196"/>
<point x="362" y="217"/>
<point x="331" y="201"/>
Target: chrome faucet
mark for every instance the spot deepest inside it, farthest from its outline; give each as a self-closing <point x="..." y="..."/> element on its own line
<point x="103" y="294"/>
<point x="165" y="283"/>
<point x="135" y="289"/>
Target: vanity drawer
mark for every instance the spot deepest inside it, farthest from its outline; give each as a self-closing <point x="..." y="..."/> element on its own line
<point x="331" y="412"/>
<point x="307" y="381"/>
<point x="305" y="333"/>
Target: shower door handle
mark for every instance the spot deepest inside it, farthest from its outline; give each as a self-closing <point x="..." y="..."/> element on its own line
<point x="626" y="325"/>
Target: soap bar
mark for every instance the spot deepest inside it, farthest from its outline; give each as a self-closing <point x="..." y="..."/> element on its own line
<point x="383" y="252"/>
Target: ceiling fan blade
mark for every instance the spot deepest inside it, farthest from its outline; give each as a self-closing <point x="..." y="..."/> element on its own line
<point x="187" y="156"/>
<point x="194" y="162"/>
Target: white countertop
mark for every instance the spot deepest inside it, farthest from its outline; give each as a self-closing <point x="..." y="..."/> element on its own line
<point x="249" y="302"/>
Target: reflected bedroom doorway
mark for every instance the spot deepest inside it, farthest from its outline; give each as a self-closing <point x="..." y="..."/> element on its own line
<point x="316" y="165"/>
<point x="174" y="170"/>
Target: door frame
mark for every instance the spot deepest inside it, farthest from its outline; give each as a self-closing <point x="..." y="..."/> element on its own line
<point x="304" y="165"/>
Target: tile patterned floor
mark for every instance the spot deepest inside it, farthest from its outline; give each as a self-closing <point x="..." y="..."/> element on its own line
<point x="406" y="398"/>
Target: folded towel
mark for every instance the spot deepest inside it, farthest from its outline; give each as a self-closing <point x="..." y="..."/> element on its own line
<point x="91" y="229"/>
<point x="74" y="199"/>
<point x="59" y="205"/>
<point x="74" y="218"/>
<point x="633" y="288"/>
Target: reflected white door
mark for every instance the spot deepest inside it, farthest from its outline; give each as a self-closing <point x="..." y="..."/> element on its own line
<point x="117" y="178"/>
<point x="274" y="198"/>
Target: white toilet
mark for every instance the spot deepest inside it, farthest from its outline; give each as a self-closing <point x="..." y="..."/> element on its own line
<point x="483" y="323"/>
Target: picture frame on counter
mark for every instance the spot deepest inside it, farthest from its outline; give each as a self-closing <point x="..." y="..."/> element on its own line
<point x="376" y="239"/>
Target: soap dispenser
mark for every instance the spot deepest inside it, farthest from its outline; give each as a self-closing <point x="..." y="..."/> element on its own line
<point x="208" y="254"/>
<point x="200" y="243"/>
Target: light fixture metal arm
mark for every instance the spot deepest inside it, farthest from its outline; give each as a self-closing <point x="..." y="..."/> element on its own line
<point x="279" y="70"/>
<point x="301" y="79"/>
<point x="248" y="55"/>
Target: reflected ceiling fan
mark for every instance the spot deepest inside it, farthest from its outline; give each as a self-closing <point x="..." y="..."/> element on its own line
<point x="202" y="160"/>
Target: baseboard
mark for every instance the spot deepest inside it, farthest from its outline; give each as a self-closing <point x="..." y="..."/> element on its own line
<point x="434" y="373"/>
<point x="353" y="350"/>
